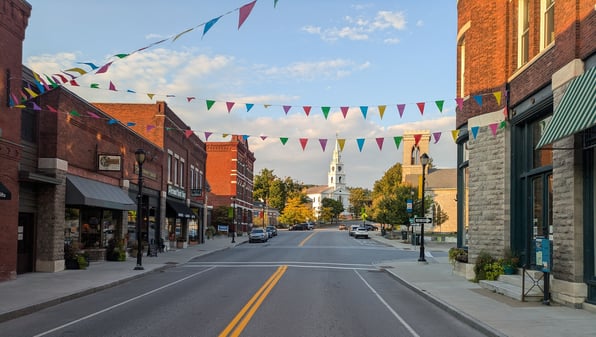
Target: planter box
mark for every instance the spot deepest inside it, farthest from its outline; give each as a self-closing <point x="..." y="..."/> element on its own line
<point x="465" y="270"/>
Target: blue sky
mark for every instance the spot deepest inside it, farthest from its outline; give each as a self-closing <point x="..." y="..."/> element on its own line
<point x="301" y="53"/>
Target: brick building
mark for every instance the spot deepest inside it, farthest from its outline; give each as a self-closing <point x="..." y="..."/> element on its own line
<point x="14" y="18"/>
<point x="182" y="173"/>
<point x="533" y="179"/>
<point x="230" y="175"/>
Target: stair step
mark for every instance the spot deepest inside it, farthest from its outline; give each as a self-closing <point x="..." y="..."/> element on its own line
<point x="512" y="291"/>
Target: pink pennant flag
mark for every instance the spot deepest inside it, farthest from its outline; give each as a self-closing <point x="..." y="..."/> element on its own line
<point x="421" y="107"/>
<point x="436" y="136"/>
<point x="188" y="99"/>
<point x="93" y="114"/>
<point x="344" y="110"/>
<point x="306" y="109"/>
<point x="229" y="105"/>
<point x="401" y="108"/>
<point x="380" y="141"/>
<point x="150" y="127"/>
<point x="104" y="68"/>
<point x="112" y="86"/>
<point x="287" y="108"/>
<point x="460" y="102"/>
<point x="188" y="133"/>
<point x="493" y="128"/>
<point x="14" y="98"/>
<point x="303" y="142"/>
<point x="323" y="142"/>
<point x="207" y="135"/>
<point x="62" y="78"/>
<point x="245" y="12"/>
<point x="51" y="109"/>
<point x="417" y="138"/>
<point x="263" y="137"/>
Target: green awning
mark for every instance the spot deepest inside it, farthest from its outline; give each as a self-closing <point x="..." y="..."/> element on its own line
<point x="576" y="112"/>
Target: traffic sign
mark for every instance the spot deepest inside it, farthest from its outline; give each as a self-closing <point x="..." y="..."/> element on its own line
<point x="423" y="220"/>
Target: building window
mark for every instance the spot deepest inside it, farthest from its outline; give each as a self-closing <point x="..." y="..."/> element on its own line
<point x="415" y="155"/>
<point x="170" y="159"/>
<point x="181" y="173"/>
<point x="523" y="49"/>
<point x="462" y="67"/>
<point x="175" y="170"/>
<point x="547" y="23"/>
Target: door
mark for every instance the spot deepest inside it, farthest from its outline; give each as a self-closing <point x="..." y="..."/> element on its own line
<point x="26" y="243"/>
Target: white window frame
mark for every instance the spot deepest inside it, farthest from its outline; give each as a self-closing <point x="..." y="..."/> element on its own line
<point x="170" y="160"/>
<point x="547" y="23"/>
<point x="523" y="33"/>
<point x="182" y="172"/>
<point x="175" y="169"/>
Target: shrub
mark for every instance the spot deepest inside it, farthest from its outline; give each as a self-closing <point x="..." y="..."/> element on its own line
<point x="458" y="254"/>
<point x="487" y="266"/>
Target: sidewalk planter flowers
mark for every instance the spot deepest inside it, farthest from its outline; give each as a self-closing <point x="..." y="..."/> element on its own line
<point x="487" y="267"/>
<point x="75" y="258"/>
<point x="510" y="263"/>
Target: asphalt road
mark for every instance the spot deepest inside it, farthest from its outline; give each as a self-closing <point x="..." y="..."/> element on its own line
<point x="311" y="283"/>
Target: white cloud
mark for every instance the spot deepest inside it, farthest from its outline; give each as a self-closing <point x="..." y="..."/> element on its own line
<point x="334" y="69"/>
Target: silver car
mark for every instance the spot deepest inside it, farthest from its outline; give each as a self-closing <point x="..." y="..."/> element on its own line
<point x="258" y="234"/>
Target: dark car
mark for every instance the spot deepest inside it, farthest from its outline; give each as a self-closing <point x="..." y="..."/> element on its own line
<point x="272" y="229"/>
<point x="371" y="227"/>
<point x="299" y="227"/>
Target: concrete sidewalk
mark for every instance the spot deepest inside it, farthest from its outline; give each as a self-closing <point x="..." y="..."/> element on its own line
<point x="493" y="314"/>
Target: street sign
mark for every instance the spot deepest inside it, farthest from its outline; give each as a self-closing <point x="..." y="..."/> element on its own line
<point x="423" y="220"/>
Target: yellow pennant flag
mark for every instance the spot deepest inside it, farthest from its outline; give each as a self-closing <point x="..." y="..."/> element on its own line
<point x="150" y="96"/>
<point x="382" y="110"/>
<point x="454" y="134"/>
<point x="341" y="143"/>
<point x="498" y="97"/>
<point x="31" y="92"/>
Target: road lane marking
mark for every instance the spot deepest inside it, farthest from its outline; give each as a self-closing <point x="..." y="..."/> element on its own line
<point x="122" y="303"/>
<point x="307" y="238"/>
<point x="395" y="314"/>
<point x="243" y="317"/>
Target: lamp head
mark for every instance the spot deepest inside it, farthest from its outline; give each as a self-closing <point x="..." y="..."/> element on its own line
<point x="140" y="156"/>
<point x="424" y="158"/>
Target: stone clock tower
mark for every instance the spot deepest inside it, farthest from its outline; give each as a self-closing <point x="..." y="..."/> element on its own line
<point x="414" y="144"/>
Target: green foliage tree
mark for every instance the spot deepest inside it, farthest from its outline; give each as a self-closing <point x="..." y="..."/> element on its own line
<point x="440" y="216"/>
<point x="221" y="215"/>
<point x="262" y="184"/>
<point x="359" y="198"/>
<point x="296" y="211"/>
<point x="335" y="206"/>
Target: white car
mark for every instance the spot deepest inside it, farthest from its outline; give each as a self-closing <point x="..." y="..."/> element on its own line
<point x="353" y="229"/>
<point x="258" y="234"/>
<point x="361" y="232"/>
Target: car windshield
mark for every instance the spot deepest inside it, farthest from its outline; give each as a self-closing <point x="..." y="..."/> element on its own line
<point x="257" y="230"/>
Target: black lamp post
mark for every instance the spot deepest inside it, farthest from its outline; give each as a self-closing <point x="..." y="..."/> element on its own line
<point x="233" y="219"/>
<point x="140" y="157"/>
<point x="424" y="161"/>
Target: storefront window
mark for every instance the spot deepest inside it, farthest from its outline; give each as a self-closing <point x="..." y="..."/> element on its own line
<point x="71" y="228"/>
<point x="107" y="226"/>
<point x="91" y="232"/>
<point x="543" y="156"/>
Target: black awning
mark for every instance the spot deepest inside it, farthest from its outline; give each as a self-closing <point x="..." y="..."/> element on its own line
<point x="4" y="192"/>
<point x="81" y="191"/>
<point x="178" y="209"/>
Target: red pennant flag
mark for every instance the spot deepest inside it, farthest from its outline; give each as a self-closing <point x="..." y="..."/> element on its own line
<point x="245" y="12"/>
<point x="344" y="110"/>
<point x="74" y="83"/>
<point x="188" y="99"/>
<point x="51" y="109"/>
<point x="421" y="107"/>
<point x="400" y="108"/>
<point x="188" y="133"/>
<point x="104" y="68"/>
<point x="93" y="114"/>
<point x="306" y="109"/>
<point x="229" y="105"/>
<point x="112" y="86"/>
<point x="303" y="142"/>
<point x="417" y="138"/>
<point x="263" y="137"/>
<point x="380" y="141"/>
<point x="460" y="102"/>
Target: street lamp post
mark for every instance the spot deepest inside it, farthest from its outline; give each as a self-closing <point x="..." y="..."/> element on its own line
<point x="140" y="158"/>
<point x="424" y="161"/>
<point x="233" y="219"/>
<point x="263" y="215"/>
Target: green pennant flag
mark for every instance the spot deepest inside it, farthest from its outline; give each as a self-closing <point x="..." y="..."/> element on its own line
<point x="284" y="140"/>
<point x="397" y="140"/>
<point x="121" y="56"/>
<point x="325" y="111"/>
<point x="440" y="105"/>
<point x="209" y="104"/>
<point x="75" y="113"/>
<point x="502" y="125"/>
<point x="94" y="85"/>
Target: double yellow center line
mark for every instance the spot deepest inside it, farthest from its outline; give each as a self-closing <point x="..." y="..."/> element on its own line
<point x="243" y="317"/>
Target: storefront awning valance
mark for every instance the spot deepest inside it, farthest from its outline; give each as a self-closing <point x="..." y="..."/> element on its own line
<point x="82" y="191"/>
<point x="576" y="112"/>
<point x="179" y="209"/>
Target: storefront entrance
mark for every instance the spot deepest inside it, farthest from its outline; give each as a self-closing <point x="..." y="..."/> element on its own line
<point x="26" y="243"/>
<point x="590" y="214"/>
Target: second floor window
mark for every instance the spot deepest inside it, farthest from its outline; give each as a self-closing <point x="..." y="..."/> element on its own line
<point x="547" y="23"/>
<point x="524" y="33"/>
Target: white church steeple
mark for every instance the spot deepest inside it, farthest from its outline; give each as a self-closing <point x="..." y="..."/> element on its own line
<point x="336" y="177"/>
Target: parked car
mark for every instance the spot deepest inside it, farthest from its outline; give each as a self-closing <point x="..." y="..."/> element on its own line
<point x="371" y="227"/>
<point x="310" y="226"/>
<point x="361" y="232"/>
<point x="273" y="230"/>
<point x="353" y="229"/>
<point x="298" y="227"/>
<point x="342" y="227"/>
<point x="269" y="232"/>
<point x="257" y="234"/>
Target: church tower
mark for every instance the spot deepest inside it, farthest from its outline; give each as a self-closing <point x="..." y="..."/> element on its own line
<point x="414" y="144"/>
<point x="336" y="177"/>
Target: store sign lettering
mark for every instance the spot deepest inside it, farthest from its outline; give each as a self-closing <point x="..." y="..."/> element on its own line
<point x="176" y="192"/>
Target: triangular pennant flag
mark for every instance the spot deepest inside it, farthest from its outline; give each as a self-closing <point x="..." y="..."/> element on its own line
<point x="93" y="114"/>
<point x="478" y="99"/>
<point x="94" y="86"/>
<point x="325" y="110"/>
<point x="180" y="34"/>
<point x="150" y="127"/>
<point x="307" y="111"/>
<point x="150" y="96"/>
<point x="36" y="107"/>
<point x="440" y="105"/>
<point x="497" y="95"/>
<point x="400" y="109"/>
<point x="249" y="106"/>
<point x="121" y="56"/>
<point x="460" y="102"/>
<point x="74" y="83"/>
<point x="417" y="138"/>
<point x="475" y="131"/>
<point x="78" y="70"/>
<point x="188" y="99"/>
<point x="112" y="121"/>
<point x="502" y="125"/>
<point x="112" y="86"/>
<point x="303" y="142"/>
<point x="263" y="137"/>
<point x="493" y="128"/>
<point x="341" y="142"/>
<point x="104" y="68"/>
<point x="323" y="142"/>
<point x="437" y="136"/>
<point x="75" y="113"/>
<point x="287" y="108"/>
<point x="72" y="77"/>
<point x="421" y="107"/>
<point x="229" y="105"/>
<point x="364" y="110"/>
<point x="380" y="141"/>
<point x="209" y="104"/>
<point x="14" y="98"/>
<point x="188" y="133"/>
<point x="208" y="25"/>
<point x="454" y="135"/>
<point x="32" y="93"/>
<point x="266" y="105"/>
<point x="397" y="140"/>
<point x="382" y="110"/>
<point x="360" y="142"/>
<point x="170" y="95"/>
<point x="245" y="137"/>
<point x="225" y="135"/>
<point x="344" y="110"/>
<point x="91" y="65"/>
<point x="62" y="78"/>
<point x="40" y="87"/>
<point x="131" y="124"/>
<point x="207" y="135"/>
<point x="245" y="12"/>
<point x="283" y="140"/>
<point x="11" y="102"/>
<point x="51" y="109"/>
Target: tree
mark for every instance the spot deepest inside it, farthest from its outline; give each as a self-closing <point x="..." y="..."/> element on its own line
<point x="440" y="216"/>
<point x="221" y="215"/>
<point x="359" y="198"/>
<point x="296" y="211"/>
<point x="335" y="207"/>
<point x="262" y="184"/>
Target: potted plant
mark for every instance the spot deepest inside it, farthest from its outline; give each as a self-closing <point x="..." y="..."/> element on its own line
<point x="510" y="263"/>
<point x="70" y="257"/>
<point x="487" y="267"/>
